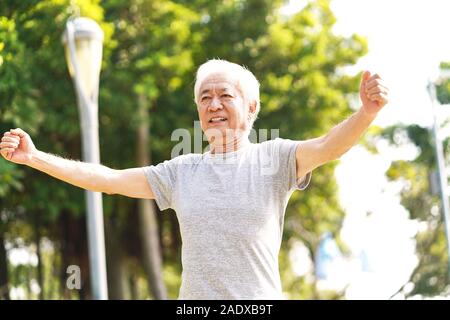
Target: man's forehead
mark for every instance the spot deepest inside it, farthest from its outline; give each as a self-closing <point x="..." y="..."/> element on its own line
<point x="218" y="81"/>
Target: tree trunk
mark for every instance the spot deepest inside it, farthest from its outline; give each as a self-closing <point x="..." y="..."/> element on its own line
<point x="37" y="233"/>
<point x="148" y="226"/>
<point x="4" y="286"/>
<point x="117" y="280"/>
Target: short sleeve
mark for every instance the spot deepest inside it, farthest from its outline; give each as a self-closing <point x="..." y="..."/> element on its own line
<point x="285" y="153"/>
<point x="162" y="179"/>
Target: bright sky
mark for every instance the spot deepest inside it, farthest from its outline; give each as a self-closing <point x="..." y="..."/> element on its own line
<point x="407" y="41"/>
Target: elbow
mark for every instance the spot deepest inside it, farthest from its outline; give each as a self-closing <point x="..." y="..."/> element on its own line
<point x="337" y="154"/>
<point x="106" y="188"/>
<point x="332" y="157"/>
<point x="109" y="192"/>
<point x="100" y="189"/>
<point x="109" y="182"/>
<point x="327" y="151"/>
<point x="333" y="153"/>
<point x="102" y="185"/>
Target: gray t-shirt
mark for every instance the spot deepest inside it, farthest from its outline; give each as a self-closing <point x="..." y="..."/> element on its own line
<point x="230" y="208"/>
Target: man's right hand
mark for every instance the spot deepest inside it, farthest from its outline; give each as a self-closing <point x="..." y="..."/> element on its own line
<point x="16" y="146"/>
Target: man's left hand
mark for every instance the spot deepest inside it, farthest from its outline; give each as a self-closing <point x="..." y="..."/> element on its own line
<point x="373" y="93"/>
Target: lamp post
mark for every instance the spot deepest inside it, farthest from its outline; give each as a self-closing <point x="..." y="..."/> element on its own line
<point x="442" y="175"/>
<point x="83" y="41"/>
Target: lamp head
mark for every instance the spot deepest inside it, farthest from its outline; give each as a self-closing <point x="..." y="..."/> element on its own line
<point x="83" y="42"/>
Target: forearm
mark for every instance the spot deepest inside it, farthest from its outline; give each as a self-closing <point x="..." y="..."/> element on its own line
<point x="346" y="134"/>
<point x="89" y="176"/>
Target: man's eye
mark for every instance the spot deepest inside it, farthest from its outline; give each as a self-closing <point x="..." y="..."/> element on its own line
<point x="205" y="98"/>
<point x="226" y="96"/>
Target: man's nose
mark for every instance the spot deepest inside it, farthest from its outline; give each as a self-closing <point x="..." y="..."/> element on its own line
<point x="215" y="104"/>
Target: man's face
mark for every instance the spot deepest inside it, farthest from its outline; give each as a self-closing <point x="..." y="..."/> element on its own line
<point x="220" y="106"/>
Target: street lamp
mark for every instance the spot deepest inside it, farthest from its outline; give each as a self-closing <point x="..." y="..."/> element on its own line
<point x="83" y="41"/>
<point x="443" y="182"/>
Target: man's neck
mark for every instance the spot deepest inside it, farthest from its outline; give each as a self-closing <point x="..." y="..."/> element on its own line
<point x="235" y="144"/>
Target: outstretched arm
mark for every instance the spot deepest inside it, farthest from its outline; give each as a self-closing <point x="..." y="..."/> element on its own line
<point x="315" y="152"/>
<point x="16" y="146"/>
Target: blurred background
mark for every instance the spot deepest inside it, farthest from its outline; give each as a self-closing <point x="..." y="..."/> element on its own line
<point x="369" y="226"/>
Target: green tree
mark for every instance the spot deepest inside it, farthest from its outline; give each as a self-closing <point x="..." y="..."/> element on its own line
<point x="33" y="88"/>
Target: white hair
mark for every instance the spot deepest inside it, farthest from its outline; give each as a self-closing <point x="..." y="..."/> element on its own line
<point x="245" y="80"/>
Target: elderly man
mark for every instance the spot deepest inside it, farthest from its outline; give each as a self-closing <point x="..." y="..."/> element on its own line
<point x="229" y="205"/>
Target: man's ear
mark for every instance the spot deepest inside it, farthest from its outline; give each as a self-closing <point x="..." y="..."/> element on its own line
<point x="252" y="106"/>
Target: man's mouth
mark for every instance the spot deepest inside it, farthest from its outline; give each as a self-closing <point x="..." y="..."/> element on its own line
<point x="217" y="119"/>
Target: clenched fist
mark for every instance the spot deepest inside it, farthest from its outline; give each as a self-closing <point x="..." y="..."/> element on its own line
<point x="373" y="92"/>
<point x="16" y="146"/>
